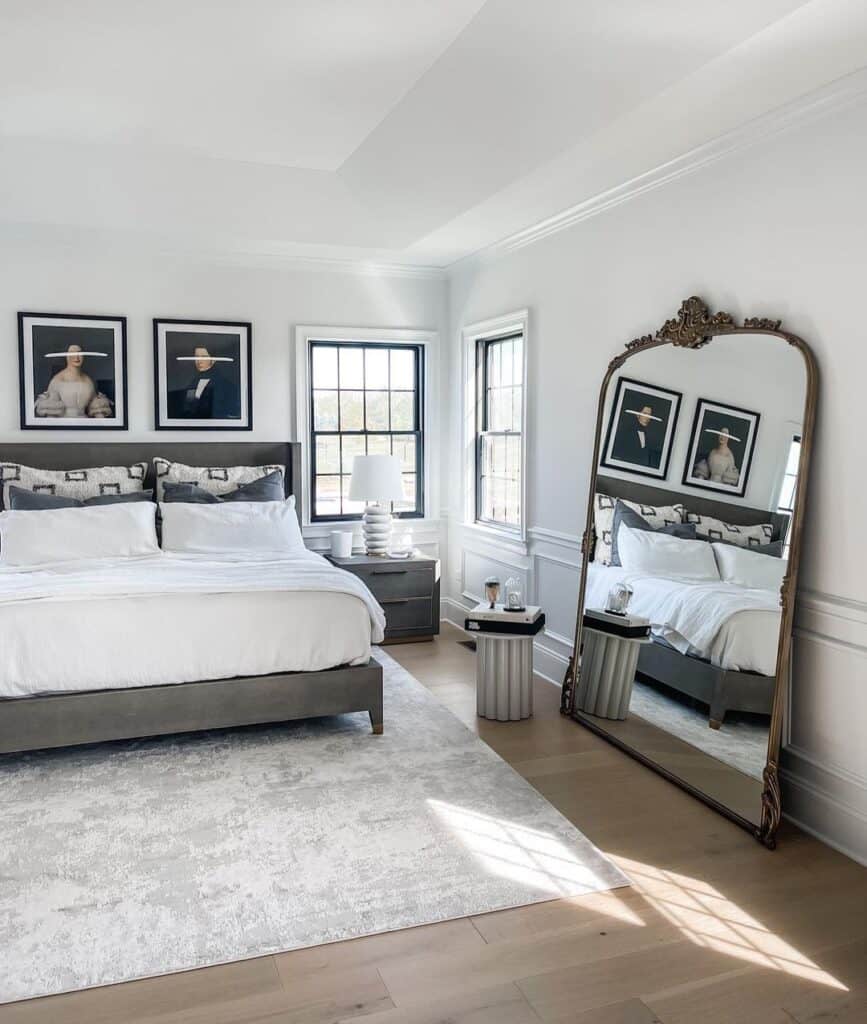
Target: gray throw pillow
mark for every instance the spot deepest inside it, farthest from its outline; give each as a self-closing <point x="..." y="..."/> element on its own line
<point x="23" y="500"/>
<point x="625" y="516"/>
<point x="266" y="488"/>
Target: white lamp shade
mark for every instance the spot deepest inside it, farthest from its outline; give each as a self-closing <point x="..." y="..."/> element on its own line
<point x="376" y="478"/>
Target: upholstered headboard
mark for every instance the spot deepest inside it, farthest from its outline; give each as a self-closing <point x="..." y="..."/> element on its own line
<point x="740" y="515"/>
<point x="89" y="454"/>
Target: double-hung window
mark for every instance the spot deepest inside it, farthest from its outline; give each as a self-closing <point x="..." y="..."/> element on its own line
<point x="499" y="447"/>
<point x="788" y="487"/>
<point x="366" y="398"/>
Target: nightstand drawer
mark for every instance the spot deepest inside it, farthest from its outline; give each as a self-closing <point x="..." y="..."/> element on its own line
<point x="392" y="582"/>
<point x="408" y="615"/>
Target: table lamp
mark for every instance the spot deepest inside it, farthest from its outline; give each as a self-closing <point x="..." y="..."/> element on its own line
<point x="376" y="479"/>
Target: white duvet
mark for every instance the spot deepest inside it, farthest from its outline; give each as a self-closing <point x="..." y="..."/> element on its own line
<point x="171" y="619"/>
<point x="731" y="626"/>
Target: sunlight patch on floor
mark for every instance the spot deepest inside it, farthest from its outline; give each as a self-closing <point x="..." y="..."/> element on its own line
<point x="706" y="917"/>
<point x="522" y="854"/>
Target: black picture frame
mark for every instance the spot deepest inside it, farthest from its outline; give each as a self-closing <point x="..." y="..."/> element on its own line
<point x="176" y="405"/>
<point x="40" y="331"/>
<point x="627" y="386"/>
<point x="720" y="415"/>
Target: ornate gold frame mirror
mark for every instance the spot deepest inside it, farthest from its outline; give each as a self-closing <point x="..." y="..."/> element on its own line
<point x="725" y="438"/>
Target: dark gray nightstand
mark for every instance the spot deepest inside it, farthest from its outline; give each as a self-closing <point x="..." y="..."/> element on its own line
<point x="408" y="590"/>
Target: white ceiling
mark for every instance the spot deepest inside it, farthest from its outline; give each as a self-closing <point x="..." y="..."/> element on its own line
<point x="403" y="130"/>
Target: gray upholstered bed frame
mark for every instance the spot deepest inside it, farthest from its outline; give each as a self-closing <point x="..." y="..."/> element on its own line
<point x="721" y="689"/>
<point x="30" y="723"/>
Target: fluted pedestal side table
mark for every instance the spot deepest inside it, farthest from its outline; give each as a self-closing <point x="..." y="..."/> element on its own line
<point x="504" y="660"/>
<point x="609" y="657"/>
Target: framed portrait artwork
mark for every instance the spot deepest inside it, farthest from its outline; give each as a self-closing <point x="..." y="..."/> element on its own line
<point x="202" y="375"/>
<point x="721" y="448"/>
<point x="72" y="371"/>
<point x="641" y="428"/>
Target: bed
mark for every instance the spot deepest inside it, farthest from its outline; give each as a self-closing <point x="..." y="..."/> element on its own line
<point x="716" y="643"/>
<point x="176" y="644"/>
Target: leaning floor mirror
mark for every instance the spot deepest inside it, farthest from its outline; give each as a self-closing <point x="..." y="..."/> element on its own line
<point x="691" y="547"/>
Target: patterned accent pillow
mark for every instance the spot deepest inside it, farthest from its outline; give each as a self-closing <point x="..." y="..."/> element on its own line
<point x="72" y="483"/>
<point x="266" y="488"/>
<point x="656" y="516"/>
<point x="708" y="528"/>
<point x="215" y="479"/>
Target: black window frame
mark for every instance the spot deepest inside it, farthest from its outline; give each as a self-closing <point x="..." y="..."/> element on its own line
<point x="481" y="354"/>
<point x="418" y="433"/>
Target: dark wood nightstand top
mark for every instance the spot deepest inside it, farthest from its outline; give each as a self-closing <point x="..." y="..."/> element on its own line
<point x="376" y="561"/>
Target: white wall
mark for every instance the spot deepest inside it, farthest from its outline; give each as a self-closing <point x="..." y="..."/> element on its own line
<point x="144" y="285"/>
<point x="775" y="230"/>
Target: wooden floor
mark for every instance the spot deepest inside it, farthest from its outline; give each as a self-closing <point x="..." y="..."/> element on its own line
<point x="714" y="930"/>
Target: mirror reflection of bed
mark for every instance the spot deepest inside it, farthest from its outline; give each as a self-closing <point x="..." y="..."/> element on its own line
<point x="697" y="445"/>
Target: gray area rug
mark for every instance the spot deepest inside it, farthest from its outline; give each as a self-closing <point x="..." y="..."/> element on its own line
<point x="139" y="858"/>
<point x="740" y="742"/>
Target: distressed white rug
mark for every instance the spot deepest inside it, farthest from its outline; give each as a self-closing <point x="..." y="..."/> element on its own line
<point x="140" y="858"/>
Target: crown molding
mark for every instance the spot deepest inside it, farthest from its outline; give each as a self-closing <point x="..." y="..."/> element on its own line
<point x="135" y="245"/>
<point x="811" y="106"/>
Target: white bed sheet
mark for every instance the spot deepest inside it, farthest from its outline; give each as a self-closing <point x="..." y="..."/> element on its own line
<point x="731" y="626"/>
<point x="160" y="620"/>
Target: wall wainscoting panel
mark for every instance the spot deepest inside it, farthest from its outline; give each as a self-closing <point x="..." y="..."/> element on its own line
<point x="829" y="682"/>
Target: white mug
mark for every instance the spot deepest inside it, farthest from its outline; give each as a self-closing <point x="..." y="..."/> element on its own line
<point x="341" y="543"/>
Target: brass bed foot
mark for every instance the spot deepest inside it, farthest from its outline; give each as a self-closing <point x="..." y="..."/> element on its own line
<point x="377" y="729"/>
<point x="713" y="723"/>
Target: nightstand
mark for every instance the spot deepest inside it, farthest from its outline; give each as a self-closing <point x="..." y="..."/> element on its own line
<point x="407" y="588"/>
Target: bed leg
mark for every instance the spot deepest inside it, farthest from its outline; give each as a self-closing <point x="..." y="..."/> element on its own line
<point x="714" y="723"/>
<point x="376" y="721"/>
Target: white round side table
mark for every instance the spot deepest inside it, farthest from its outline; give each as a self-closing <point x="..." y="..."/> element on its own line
<point x="504" y="660"/>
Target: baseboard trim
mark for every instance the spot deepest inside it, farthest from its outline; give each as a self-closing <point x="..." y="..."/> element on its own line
<point x="825" y="803"/>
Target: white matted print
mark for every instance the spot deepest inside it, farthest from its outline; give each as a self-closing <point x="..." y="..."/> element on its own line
<point x="72" y="371"/>
<point x="202" y="375"/>
<point x="721" y="448"/>
<point x="641" y="428"/>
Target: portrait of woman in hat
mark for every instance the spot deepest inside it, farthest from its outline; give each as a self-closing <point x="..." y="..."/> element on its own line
<point x="73" y="371"/>
<point x="721" y="447"/>
<point x="71" y="391"/>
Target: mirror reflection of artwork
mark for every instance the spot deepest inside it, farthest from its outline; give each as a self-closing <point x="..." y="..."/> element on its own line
<point x="202" y="375"/>
<point x="73" y="371"/>
<point x="641" y="428"/>
<point x="721" y="448"/>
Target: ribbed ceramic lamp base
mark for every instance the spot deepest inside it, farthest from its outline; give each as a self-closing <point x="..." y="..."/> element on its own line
<point x="376" y="524"/>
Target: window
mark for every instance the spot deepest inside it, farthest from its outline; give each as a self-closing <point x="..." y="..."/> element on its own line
<point x="786" y="499"/>
<point x="499" y="430"/>
<point x="365" y="399"/>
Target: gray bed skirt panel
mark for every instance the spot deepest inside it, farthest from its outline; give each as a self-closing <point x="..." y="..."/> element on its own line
<point x="722" y="689"/>
<point x="70" y="719"/>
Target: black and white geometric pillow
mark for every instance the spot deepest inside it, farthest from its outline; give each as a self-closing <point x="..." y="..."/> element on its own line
<point x="72" y="483"/>
<point x="710" y="529"/>
<point x="603" y="520"/>
<point x="216" y="479"/>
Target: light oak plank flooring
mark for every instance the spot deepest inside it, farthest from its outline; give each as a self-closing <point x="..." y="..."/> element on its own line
<point x="714" y="929"/>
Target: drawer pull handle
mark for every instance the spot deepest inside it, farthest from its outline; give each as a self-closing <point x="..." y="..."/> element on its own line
<point x="390" y="572"/>
<point x="396" y="600"/>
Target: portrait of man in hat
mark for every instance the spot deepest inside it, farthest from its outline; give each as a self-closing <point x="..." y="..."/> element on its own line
<point x="208" y="393"/>
<point x="202" y="378"/>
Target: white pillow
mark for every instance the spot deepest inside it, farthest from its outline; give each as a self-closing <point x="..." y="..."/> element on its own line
<point x="237" y="527"/>
<point x="749" y="568"/>
<point x="658" y="554"/>
<point x="78" y="534"/>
